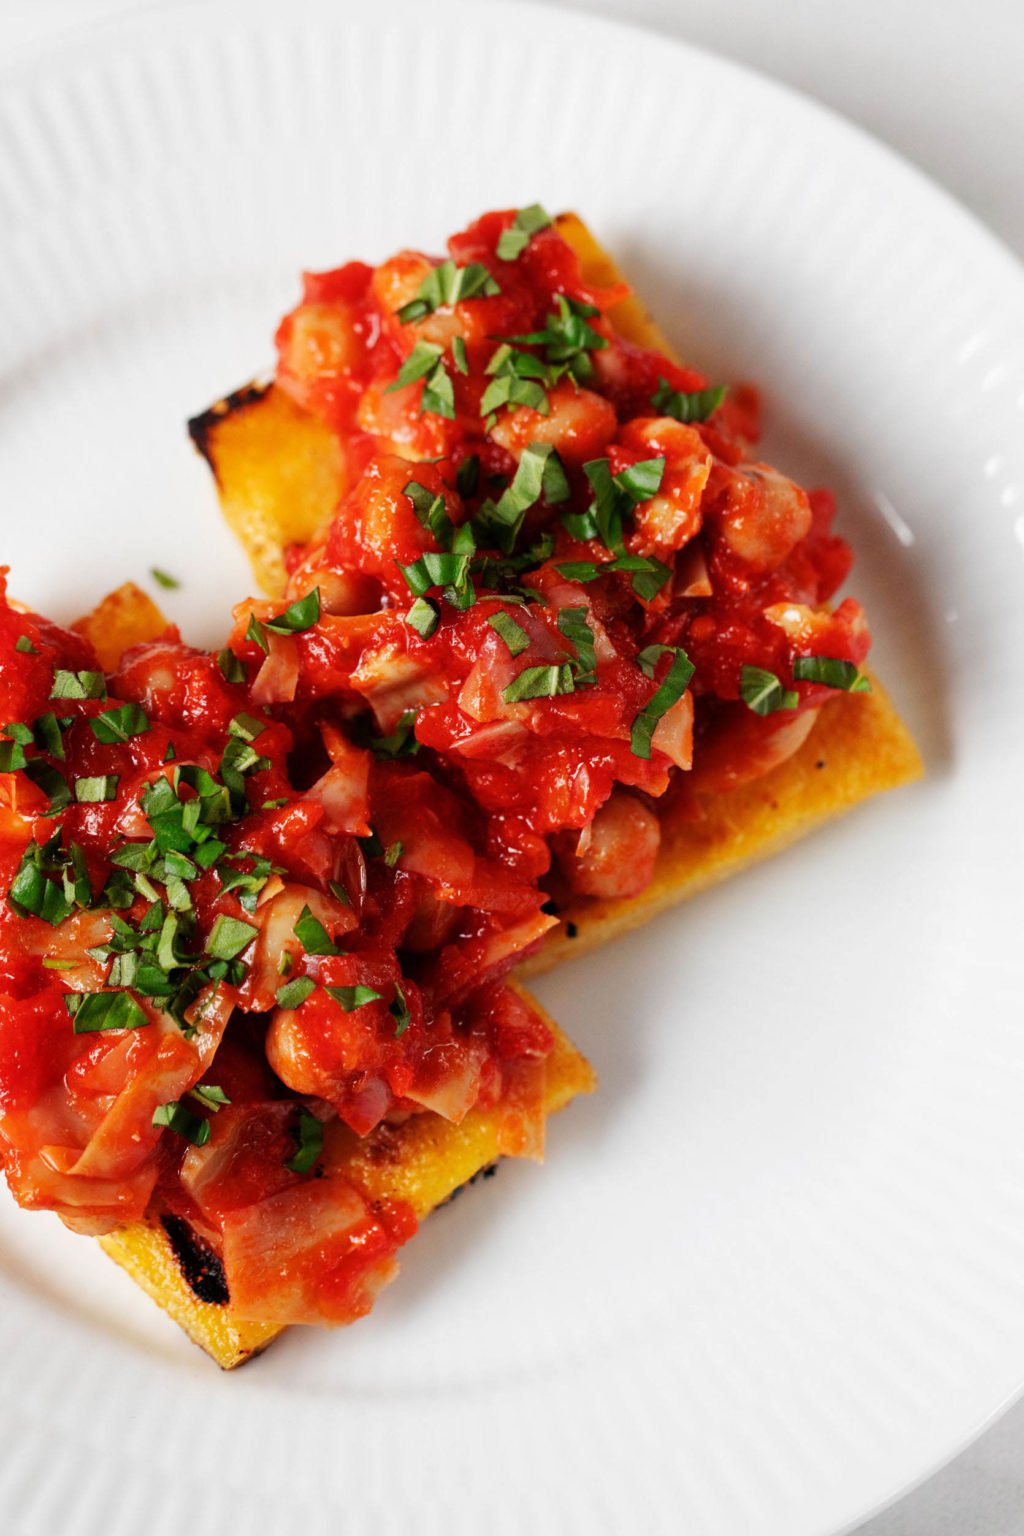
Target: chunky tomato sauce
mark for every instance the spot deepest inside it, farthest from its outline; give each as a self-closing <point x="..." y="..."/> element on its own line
<point x="261" y="901"/>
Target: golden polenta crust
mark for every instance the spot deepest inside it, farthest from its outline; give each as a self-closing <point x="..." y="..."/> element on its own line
<point x="859" y="746"/>
<point x="280" y="473"/>
<point x="424" y="1161"/>
<point x="125" y="617"/>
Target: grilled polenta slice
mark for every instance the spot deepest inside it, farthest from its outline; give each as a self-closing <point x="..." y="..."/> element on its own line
<point x="279" y="473"/>
<point x="423" y="1161"/>
<point x="858" y="747"/>
<point x="124" y="618"/>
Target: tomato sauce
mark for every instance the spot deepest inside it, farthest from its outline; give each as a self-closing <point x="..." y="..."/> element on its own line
<point x="255" y="895"/>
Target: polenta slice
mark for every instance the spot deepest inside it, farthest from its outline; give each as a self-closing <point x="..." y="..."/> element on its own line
<point x="423" y="1161"/>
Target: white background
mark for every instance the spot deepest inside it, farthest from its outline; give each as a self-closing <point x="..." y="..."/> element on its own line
<point x="942" y="85"/>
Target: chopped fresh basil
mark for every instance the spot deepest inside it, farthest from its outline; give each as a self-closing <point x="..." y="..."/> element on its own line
<point x="117" y="725"/>
<point x="402" y="740"/>
<point x="228" y="937"/>
<point x="567" y="338"/>
<point x="18" y="732"/>
<point x="831" y="672"/>
<point x="423" y="617"/>
<point x="399" y="1011"/>
<point x="209" y="1094"/>
<point x="448" y="284"/>
<point x="647" y="659"/>
<point x="426" y="362"/>
<point x="762" y="692"/>
<point x="514" y="240"/>
<point x="52" y="783"/>
<point x="422" y="360"/>
<point x="459" y="357"/>
<point x="574" y="626"/>
<point x="47" y="733"/>
<point x="230" y="666"/>
<point x="163" y="579"/>
<point x="32" y="892"/>
<point x="309" y="1142"/>
<point x="648" y="575"/>
<point x="313" y="936"/>
<point x="298" y="616"/>
<point x="669" y="692"/>
<point x="98" y="788"/>
<point x="246" y="726"/>
<point x="95" y="1011"/>
<point x="538" y="472"/>
<point x="78" y="685"/>
<point x="12" y="756"/>
<point x="540" y="683"/>
<point x="516" y="381"/>
<point x="25" y="646"/>
<point x="392" y="854"/>
<point x="350" y="998"/>
<point x="183" y="1122"/>
<point x="696" y="405"/>
<point x="294" y="993"/>
<point x="437" y="569"/>
<point x="513" y="635"/>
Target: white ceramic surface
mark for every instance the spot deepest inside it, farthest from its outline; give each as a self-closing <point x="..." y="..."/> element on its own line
<point x="775" y="1269"/>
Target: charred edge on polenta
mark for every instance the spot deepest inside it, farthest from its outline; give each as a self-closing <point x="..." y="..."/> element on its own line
<point x="201" y="427"/>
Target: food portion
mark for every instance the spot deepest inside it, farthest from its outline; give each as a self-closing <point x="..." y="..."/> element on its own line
<point x="228" y="992"/>
<point x="546" y="647"/>
<point x="607" y="619"/>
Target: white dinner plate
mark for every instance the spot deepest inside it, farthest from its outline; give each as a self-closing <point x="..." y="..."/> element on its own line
<point x="773" y="1271"/>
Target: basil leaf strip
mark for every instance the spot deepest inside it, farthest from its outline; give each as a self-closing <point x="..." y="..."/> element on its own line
<point x="350" y="998"/>
<point x="121" y="724"/>
<point x="228" y="937"/>
<point x="540" y="683"/>
<point x="698" y="405"/>
<point x="831" y="672"/>
<point x="399" y="1011"/>
<point x="309" y="1141"/>
<point x="514" y="240"/>
<point x="313" y="936"/>
<point x="183" y="1122"/>
<point x="574" y="626"/>
<point x="448" y="284"/>
<point x="78" y="685"/>
<point x="670" y="691"/>
<point x="516" y="638"/>
<point x="294" y="993"/>
<point x="95" y="1011"/>
<point x="762" y="692"/>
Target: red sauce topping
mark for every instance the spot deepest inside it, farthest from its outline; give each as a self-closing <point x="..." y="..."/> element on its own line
<point x="261" y="902"/>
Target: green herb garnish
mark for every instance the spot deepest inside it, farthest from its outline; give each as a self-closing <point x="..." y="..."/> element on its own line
<point x="228" y="937"/>
<point x="95" y="1011"/>
<point x="514" y="240"/>
<point x="513" y="635"/>
<point x="697" y="405"/>
<point x="78" y="685"/>
<point x="762" y="692"/>
<point x="117" y="725"/>
<point x="309" y="1141"/>
<point x="670" y="691"/>
<point x="540" y="683"/>
<point x="350" y="998"/>
<point x="831" y="672"/>
<point x="294" y="993"/>
<point x="399" y="1011"/>
<point x="175" y="1117"/>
